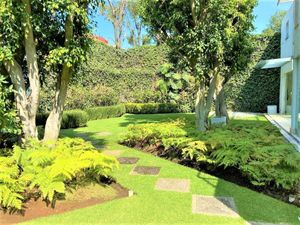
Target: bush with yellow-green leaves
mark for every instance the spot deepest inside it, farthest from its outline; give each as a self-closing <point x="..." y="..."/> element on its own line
<point x="47" y="169"/>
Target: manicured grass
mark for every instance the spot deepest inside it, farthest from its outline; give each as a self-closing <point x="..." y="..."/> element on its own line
<point x="149" y="206"/>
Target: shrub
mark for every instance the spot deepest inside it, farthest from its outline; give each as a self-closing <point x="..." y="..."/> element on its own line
<point x="70" y="119"/>
<point x="74" y="118"/>
<point x="105" y="112"/>
<point x="255" y="148"/>
<point x="49" y="170"/>
<point x="79" y="97"/>
<point x="151" y="108"/>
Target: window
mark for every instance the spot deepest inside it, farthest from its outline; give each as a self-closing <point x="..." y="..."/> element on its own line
<point x="287" y="27"/>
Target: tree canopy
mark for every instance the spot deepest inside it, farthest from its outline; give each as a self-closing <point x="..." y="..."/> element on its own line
<point x="207" y="37"/>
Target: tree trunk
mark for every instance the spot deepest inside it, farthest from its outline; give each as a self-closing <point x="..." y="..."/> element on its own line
<point x="26" y="105"/>
<point x="16" y="75"/>
<point x="220" y="104"/>
<point x="203" y="103"/>
<point x="53" y="123"/>
<point x="32" y="66"/>
<point x="221" y="108"/>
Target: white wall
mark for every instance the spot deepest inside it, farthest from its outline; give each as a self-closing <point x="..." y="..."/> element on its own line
<point x="287" y="44"/>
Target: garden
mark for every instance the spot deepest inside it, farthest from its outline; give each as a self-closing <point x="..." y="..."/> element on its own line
<point x="95" y="134"/>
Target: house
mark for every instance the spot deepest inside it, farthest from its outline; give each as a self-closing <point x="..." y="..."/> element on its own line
<point x="100" y="39"/>
<point x="289" y="62"/>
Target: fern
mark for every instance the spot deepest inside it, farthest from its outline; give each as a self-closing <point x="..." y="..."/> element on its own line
<point x="49" y="168"/>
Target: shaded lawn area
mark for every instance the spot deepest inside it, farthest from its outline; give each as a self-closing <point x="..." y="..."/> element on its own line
<point x="150" y="206"/>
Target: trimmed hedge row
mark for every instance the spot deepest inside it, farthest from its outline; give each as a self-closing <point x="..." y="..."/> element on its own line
<point x="71" y="119"/>
<point x="151" y="108"/>
<point x="79" y="118"/>
<point x="104" y="112"/>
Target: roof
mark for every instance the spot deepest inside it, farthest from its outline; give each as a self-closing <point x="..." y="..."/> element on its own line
<point x="273" y="63"/>
<point x="284" y="1"/>
<point x="101" y="39"/>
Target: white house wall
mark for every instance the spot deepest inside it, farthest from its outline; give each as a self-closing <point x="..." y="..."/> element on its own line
<point x="287" y="43"/>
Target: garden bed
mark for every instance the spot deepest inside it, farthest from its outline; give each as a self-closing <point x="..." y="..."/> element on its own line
<point x="82" y="197"/>
<point x="250" y="153"/>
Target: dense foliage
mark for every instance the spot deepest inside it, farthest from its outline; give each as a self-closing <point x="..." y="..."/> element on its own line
<point x="97" y="113"/>
<point x="255" y="147"/>
<point x="151" y="108"/>
<point x="70" y="119"/>
<point x="49" y="170"/>
<point x="78" y="97"/>
<point x="254" y="89"/>
<point x="9" y="126"/>
<point x="130" y="73"/>
<point x="211" y="38"/>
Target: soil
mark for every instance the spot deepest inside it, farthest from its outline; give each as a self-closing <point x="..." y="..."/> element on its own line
<point x="229" y="174"/>
<point x="38" y="208"/>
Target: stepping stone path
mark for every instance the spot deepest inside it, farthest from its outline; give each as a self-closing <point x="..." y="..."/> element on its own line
<point x="113" y="152"/>
<point x="104" y="134"/>
<point x="145" y="170"/>
<point x="261" y="223"/>
<point x="217" y="206"/>
<point x="128" y="160"/>
<point x="172" y="184"/>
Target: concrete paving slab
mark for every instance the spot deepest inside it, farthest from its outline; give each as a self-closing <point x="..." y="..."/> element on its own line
<point x="173" y="184"/>
<point x="217" y="206"/>
<point x="145" y="170"/>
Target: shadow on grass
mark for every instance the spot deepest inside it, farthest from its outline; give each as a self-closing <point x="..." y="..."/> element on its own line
<point x="97" y="142"/>
<point x="153" y="118"/>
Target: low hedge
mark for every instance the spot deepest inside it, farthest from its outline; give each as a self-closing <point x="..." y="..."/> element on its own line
<point x="70" y="119"/>
<point x="104" y="112"/>
<point x="151" y="108"/>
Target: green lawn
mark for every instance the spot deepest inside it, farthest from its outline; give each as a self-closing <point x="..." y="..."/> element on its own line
<point x="149" y="206"/>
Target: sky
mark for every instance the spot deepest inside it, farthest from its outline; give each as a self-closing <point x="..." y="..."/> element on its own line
<point x="263" y="12"/>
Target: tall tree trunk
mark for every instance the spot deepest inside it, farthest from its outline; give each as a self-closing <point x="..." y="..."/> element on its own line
<point x="26" y="105"/>
<point x="220" y="105"/>
<point x="33" y="70"/>
<point x="203" y="104"/>
<point x="53" y="123"/>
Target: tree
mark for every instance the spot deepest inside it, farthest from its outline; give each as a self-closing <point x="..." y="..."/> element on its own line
<point x="199" y="34"/>
<point x="275" y="23"/>
<point x="115" y="12"/>
<point x="39" y="38"/>
<point x="134" y="24"/>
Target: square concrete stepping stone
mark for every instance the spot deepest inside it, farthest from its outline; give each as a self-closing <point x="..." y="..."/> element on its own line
<point x="172" y="184"/>
<point x="217" y="206"/>
<point x="262" y="223"/>
<point x="104" y="134"/>
<point x="128" y="160"/>
<point x="113" y="152"/>
<point x="145" y="170"/>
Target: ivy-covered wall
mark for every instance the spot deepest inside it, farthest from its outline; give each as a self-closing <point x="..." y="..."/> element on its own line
<point x="126" y="71"/>
<point x="132" y="74"/>
<point x="253" y="90"/>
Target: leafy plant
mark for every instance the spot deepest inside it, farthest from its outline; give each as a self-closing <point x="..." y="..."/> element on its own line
<point x="150" y="108"/>
<point x="173" y="83"/>
<point x="255" y="148"/>
<point x="9" y="122"/>
<point x="48" y="169"/>
<point x="104" y="112"/>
